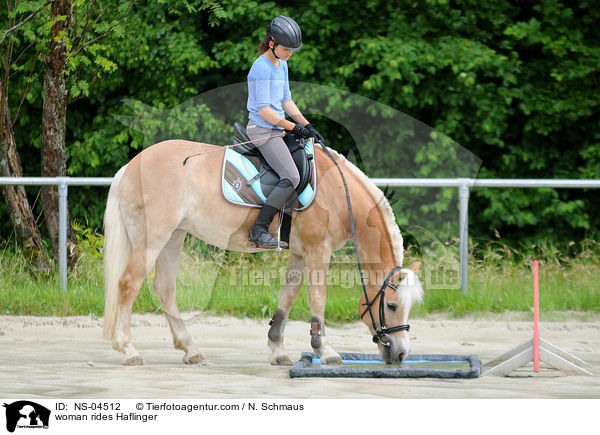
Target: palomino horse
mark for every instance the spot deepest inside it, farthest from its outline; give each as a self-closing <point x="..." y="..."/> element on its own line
<point x="154" y="201"/>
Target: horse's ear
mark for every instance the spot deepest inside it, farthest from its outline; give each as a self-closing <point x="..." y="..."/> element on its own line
<point x="415" y="266"/>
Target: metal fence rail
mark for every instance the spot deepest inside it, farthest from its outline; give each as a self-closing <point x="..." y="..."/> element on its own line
<point x="63" y="184"/>
<point x="463" y="184"/>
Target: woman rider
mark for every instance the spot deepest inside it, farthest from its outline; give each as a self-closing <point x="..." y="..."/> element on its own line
<point x="268" y="97"/>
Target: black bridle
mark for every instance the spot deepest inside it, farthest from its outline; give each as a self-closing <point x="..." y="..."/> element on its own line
<point x="382" y="331"/>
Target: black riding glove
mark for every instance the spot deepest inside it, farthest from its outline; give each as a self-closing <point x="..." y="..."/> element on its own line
<point x="300" y="132"/>
<point x="314" y="133"/>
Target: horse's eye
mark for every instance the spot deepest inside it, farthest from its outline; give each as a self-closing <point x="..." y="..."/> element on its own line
<point x="392" y="307"/>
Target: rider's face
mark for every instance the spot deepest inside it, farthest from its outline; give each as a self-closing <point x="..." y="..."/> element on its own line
<point x="281" y="51"/>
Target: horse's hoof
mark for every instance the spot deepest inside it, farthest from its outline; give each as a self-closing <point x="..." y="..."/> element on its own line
<point x="334" y="361"/>
<point x="194" y="359"/>
<point x="282" y="360"/>
<point x="134" y="361"/>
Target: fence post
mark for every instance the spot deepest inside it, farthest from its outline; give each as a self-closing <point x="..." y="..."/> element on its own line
<point x="463" y="193"/>
<point x="63" y="188"/>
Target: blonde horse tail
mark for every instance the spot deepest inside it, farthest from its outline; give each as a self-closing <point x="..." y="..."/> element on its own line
<point x="117" y="250"/>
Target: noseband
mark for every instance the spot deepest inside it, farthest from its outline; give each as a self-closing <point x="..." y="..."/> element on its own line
<point x="382" y="331"/>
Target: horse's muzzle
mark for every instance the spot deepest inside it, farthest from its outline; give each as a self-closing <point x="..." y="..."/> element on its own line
<point x="393" y="357"/>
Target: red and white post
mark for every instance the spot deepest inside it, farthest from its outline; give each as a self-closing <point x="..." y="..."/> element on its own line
<point x="531" y="350"/>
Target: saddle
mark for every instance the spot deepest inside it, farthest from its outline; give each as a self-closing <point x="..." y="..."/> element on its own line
<point x="248" y="179"/>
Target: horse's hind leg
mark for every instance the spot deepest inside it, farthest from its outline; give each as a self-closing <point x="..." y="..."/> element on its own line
<point x="167" y="266"/>
<point x="141" y="261"/>
<point x="129" y="287"/>
<point x="287" y="297"/>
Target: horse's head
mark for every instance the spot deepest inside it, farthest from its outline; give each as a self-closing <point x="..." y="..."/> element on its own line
<point x="391" y="306"/>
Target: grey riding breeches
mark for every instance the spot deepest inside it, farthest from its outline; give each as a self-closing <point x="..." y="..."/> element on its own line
<point x="275" y="152"/>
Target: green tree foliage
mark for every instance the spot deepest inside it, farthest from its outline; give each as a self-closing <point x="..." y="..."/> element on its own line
<point x="513" y="82"/>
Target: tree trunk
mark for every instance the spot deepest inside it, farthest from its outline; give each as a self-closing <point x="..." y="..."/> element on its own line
<point x="54" y="113"/>
<point x="26" y="230"/>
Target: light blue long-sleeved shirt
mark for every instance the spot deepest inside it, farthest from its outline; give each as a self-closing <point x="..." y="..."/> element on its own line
<point x="268" y="85"/>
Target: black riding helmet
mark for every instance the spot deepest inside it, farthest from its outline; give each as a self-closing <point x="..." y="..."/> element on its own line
<point x="286" y="32"/>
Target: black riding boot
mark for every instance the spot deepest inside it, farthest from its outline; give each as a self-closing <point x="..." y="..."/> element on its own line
<point x="259" y="234"/>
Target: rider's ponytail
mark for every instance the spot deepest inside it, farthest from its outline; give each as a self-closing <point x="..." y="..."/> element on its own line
<point x="264" y="45"/>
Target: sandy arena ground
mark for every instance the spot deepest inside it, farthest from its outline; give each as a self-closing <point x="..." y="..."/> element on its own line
<point x="49" y="357"/>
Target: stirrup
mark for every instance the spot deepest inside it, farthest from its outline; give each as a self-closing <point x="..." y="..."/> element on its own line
<point x="264" y="244"/>
<point x="265" y="232"/>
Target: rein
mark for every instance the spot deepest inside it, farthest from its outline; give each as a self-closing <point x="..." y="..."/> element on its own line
<point x="382" y="331"/>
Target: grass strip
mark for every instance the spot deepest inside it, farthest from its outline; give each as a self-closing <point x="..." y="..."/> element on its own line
<point x="247" y="285"/>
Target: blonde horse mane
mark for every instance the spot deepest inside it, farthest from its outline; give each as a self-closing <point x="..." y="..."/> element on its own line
<point x="382" y="204"/>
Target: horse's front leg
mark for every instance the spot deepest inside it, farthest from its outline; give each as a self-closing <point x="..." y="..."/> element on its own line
<point x="317" y="260"/>
<point x="287" y="296"/>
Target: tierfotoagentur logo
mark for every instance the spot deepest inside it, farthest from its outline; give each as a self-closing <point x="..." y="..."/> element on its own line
<point x="348" y="277"/>
<point x="26" y="415"/>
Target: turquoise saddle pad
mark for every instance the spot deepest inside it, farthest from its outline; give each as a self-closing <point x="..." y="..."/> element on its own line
<point x="240" y="184"/>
